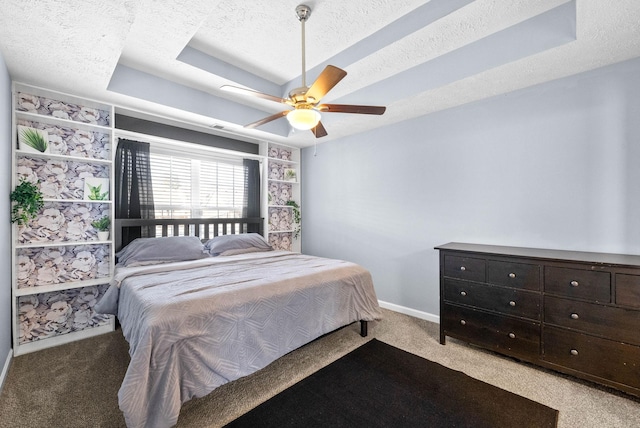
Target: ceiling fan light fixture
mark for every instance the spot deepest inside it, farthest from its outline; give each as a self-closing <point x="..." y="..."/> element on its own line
<point x="303" y="118"/>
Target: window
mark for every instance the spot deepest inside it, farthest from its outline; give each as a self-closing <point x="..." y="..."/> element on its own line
<point x="188" y="186"/>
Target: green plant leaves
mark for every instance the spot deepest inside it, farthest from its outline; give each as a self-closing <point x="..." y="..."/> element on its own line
<point x="33" y="138"/>
<point x="28" y="202"/>
<point x="95" y="193"/>
<point x="102" y="224"/>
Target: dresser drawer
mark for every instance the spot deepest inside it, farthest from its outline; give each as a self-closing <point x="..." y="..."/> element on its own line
<point x="606" y="321"/>
<point x="499" y="333"/>
<point x="583" y="284"/>
<point x="467" y="268"/>
<point x="509" y="301"/>
<point x="628" y="290"/>
<point x="607" y="359"/>
<point x="517" y="275"/>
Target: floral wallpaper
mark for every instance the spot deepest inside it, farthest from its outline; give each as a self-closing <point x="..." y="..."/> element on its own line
<point x="59" y="179"/>
<point x="280" y="218"/>
<point x="63" y="222"/>
<point x="74" y="142"/>
<point x="62" y="110"/>
<point x="279" y="193"/>
<point x="55" y="265"/>
<point x="280" y="241"/>
<point x="45" y="315"/>
<point x="65" y="219"/>
<point x="279" y="153"/>
<point x="276" y="171"/>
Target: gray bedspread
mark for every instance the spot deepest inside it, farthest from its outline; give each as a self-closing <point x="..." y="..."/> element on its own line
<point x="193" y="326"/>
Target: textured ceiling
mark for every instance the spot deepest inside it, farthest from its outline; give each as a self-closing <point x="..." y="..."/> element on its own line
<point x="416" y="57"/>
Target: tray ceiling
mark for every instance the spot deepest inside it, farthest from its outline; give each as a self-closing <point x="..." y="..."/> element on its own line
<point x="416" y="57"/>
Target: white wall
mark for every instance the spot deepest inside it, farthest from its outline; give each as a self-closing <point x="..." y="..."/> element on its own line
<point x="552" y="166"/>
<point x="5" y="217"/>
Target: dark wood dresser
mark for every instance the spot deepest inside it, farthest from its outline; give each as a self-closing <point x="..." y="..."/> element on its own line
<point x="574" y="312"/>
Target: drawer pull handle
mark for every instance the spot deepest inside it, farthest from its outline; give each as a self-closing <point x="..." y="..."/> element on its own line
<point x="463" y="322"/>
<point x="574" y="283"/>
<point x="511" y="335"/>
<point x="462" y="268"/>
<point x="574" y="316"/>
<point x="463" y="293"/>
<point x="574" y="352"/>
<point x="512" y="275"/>
<point x="512" y="303"/>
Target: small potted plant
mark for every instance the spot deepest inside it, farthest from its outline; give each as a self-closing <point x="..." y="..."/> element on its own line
<point x="102" y="226"/>
<point x="28" y="202"/>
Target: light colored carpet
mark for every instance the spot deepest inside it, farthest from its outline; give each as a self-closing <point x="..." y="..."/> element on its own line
<point x="76" y="385"/>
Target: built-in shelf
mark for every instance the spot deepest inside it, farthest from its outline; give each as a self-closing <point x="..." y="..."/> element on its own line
<point x="77" y="201"/>
<point x="283" y="181"/>
<point x="38" y="289"/>
<point x="62" y="157"/>
<point x="280" y="191"/>
<point x="62" y="244"/>
<point x="67" y="123"/>
<point x="53" y="279"/>
<point x="288" y="162"/>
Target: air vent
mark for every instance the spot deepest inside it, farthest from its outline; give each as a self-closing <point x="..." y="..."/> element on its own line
<point x="217" y="126"/>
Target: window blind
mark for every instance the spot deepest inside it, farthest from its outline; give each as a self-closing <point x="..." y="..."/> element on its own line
<point x="187" y="186"/>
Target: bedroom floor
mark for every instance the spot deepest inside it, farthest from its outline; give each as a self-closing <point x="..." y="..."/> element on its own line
<point x="76" y="385"/>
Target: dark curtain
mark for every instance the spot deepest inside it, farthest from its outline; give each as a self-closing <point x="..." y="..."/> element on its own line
<point x="134" y="196"/>
<point x="251" y="203"/>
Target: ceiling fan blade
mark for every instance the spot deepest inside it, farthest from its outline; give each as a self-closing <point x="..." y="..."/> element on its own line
<point x="329" y="78"/>
<point x="267" y="119"/>
<point x="319" y="130"/>
<point x="348" y="108"/>
<point x="251" y="92"/>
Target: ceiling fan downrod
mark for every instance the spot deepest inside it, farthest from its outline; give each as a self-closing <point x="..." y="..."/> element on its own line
<point x="303" y="12"/>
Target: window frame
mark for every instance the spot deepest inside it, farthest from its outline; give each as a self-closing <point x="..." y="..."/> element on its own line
<point x="176" y="147"/>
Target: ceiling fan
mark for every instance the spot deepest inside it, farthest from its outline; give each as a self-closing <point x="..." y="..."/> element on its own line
<point x="305" y="100"/>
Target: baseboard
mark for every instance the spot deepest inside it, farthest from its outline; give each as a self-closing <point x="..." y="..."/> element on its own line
<point x="5" y="369"/>
<point x="408" y="311"/>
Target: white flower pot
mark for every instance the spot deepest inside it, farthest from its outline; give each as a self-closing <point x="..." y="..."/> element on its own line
<point x="103" y="236"/>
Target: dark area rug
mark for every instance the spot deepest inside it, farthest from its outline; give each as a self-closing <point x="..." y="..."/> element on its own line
<point x="378" y="385"/>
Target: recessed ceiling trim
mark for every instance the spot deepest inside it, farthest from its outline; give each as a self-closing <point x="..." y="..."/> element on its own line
<point x="398" y="29"/>
<point x="135" y="83"/>
<point x="543" y="32"/>
<point x="201" y="60"/>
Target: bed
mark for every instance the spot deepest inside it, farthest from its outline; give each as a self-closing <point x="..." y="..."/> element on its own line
<point x="196" y="322"/>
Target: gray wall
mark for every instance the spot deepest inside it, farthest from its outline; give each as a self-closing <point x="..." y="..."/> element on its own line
<point x="552" y="166"/>
<point x="5" y="225"/>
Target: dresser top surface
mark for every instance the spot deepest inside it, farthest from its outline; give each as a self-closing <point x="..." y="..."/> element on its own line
<point x="545" y="254"/>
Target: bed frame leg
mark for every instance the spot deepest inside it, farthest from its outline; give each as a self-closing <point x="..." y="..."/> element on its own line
<point x="363" y="328"/>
